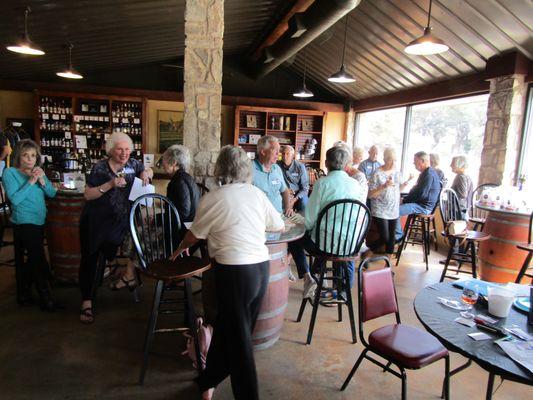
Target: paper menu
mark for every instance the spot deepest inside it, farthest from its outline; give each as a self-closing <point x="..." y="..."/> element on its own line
<point x="137" y="190"/>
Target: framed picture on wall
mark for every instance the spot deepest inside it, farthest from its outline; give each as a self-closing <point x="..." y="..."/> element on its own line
<point x="169" y="129"/>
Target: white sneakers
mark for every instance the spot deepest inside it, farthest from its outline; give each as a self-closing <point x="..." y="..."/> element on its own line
<point x="309" y="288"/>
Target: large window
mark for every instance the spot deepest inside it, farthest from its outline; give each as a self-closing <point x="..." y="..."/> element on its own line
<point x="447" y="128"/>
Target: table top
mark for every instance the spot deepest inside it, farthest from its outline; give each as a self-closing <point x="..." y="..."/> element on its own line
<point x="439" y="320"/>
<point x="500" y="210"/>
<point x="292" y="232"/>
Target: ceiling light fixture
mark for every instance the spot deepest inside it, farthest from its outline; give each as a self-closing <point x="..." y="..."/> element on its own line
<point x="25" y="45"/>
<point x="428" y="43"/>
<point x="70" y="72"/>
<point x="341" y="76"/>
<point x="304" y="92"/>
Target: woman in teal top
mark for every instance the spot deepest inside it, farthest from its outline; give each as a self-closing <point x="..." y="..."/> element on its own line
<point x="27" y="186"/>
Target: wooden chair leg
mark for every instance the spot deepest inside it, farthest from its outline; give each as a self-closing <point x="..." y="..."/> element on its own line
<point x="349" y="304"/>
<point x="316" y="303"/>
<point x="435" y="234"/>
<point x="152" y="321"/>
<point x="448" y="258"/>
<point x="302" y="308"/>
<point x="524" y="268"/>
<point x="401" y="247"/>
<point x="447" y="377"/>
<point x="425" y="242"/>
<point x="191" y="323"/>
<point x="473" y="258"/>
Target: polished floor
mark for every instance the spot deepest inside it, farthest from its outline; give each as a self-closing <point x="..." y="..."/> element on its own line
<point x="53" y="356"/>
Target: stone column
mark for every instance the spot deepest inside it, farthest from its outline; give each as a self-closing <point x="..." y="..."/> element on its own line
<point x="202" y="91"/>
<point x="501" y="143"/>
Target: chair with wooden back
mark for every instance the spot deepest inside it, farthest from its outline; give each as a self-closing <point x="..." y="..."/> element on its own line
<point x="477" y="216"/>
<point x="5" y="222"/>
<point x="341" y="228"/>
<point x="405" y="346"/>
<point x="153" y="222"/>
<point x="525" y="270"/>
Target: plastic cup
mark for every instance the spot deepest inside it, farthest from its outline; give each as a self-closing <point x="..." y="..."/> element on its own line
<point x="500" y="301"/>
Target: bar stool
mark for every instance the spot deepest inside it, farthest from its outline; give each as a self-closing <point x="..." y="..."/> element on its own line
<point x="477" y="216"/>
<point x="153" y="219"/>
<point x="340" y="231"/>
<point x="529" y="248"/>
<point x="419" y="228"/>
<point x="462" y="246"/>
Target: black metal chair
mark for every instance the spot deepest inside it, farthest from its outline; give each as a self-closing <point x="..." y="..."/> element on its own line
<point x="153" y="221"/>
<point x="462" y="246"/>
<point x="5" y="223"/>
<point x="404" y="346"/>
<point x="340" y="231"/>
<point x="529" y="248"/>
<point x="419" y="228"/>
<point x="477" y="216"/>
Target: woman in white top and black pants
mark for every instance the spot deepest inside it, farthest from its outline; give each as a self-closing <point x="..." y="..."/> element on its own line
<point x="233" y="219"/>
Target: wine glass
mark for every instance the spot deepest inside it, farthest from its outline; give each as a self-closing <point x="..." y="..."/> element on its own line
<point x="469" y="297"/>
<point x="121" y="173"/>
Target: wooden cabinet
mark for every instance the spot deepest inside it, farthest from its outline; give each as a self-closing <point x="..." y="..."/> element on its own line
<point x="72" y="128"/>
<point x="302" y="129"/>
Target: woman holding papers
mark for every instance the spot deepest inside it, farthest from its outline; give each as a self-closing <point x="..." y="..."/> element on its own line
<point x="104" y="220"/>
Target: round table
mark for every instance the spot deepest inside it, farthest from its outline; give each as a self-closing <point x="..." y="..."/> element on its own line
<point x="499" y="258"/>
<point x="439" y="321"/>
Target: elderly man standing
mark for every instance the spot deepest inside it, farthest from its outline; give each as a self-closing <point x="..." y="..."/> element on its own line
<point x="424" y="195"/>
<point x="336" y="185"/>
<point x="295" y="177"/>
<point x="268" y="176"/>
<point x="371" y="164"/>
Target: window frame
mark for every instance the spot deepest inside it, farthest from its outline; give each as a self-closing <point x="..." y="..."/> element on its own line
<point x="527" y="135"/>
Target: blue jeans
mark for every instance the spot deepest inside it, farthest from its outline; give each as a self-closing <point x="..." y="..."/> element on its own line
<point x="297" y="250"/>
<point x="408" y="209"/>
<point x="301" y="203"/>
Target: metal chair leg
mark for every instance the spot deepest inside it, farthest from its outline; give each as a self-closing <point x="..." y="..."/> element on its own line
<point x="446" y="387"/>
<point x="473" y="255"/>
<point x="349" y="304"/>
<point x="352" y="372"/>
<point x="490" y="386"/>
<point x="151" y="329"/>
<point x="387" y="367"/>
<point x="435" y="234"/>
<point x="448" y="258"/>
<point x="402" y="243"/>
<point x="316" y="303"/>
<point x="524" y="268"/>
<point x="425" y="242"/>
<point x="404" y="385"/>
<point x="302" y="309"/>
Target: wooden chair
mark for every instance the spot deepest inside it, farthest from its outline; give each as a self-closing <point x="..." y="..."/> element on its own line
<point x="153" y="220"/>
<point x="5" y="223"/>
<point x="529" y="248"/>
<point x="419" y="228"/>
<point x="404" y="346"/>
<point x="463" y="246"/>
<point x="477" y="216"/>
<point x="344" y="225"/>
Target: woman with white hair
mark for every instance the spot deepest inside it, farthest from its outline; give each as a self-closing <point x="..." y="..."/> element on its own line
<point x="104" y="219"/>
<point x="354" y="172"/>
<point x="384" y="194"/>
<point x="462" y="184"/>
<point x="233" y="219"/>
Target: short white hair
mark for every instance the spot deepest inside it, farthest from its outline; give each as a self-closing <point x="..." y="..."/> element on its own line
<point x="264" y="142"/>
<point x="358" y="152"/>
<point x="233" y="166"/>
<point x="287" y="147"/>
<point x="178" y="155"/>
<point x="115" y="138"/>
<point x="389" y="154"/>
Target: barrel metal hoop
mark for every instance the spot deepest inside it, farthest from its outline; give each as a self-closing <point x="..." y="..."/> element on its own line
<point x="273" y="313"/>
<point x="502" y="269"/>
<point x="267" y="344"/>
<point x="505" y="222"/>
<point x="279" y="276"/>
<point x="513" y="242"/>
<point x="267" y="333"/>
<point x="277" y="256"/>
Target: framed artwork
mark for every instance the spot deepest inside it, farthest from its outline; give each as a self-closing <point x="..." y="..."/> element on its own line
<point x="251" y="121"/>
<point x="169" y="129"/>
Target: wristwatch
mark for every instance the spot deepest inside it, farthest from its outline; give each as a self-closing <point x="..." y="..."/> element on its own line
<point x="101" y="190"/>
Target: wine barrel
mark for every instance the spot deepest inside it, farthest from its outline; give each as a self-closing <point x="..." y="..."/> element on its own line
<point x="272" y="313"/>
<point x="62" y="235"/>
<point x="500" y="260"/>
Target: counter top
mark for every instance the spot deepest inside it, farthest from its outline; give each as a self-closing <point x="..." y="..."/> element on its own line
<point x="500" y="210"/>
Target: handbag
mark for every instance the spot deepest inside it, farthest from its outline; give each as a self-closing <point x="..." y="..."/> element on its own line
<point x="204" y="333"/>
<point x="457" y="228"/>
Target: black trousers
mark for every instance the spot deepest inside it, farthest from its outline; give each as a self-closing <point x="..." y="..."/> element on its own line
<point x="240" y="291"/>
<point x="30" y="238"/>
<point x="88" y="264"/>
<point x="386" y="229"/>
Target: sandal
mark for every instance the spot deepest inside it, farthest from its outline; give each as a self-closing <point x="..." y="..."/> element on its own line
<point x="86" y="315"/>
<point x="130" y="284"/>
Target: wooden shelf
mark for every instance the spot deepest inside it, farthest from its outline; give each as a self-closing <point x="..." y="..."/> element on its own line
<point x="309" y="132"/>
<point x="251" y="129"/>
<point x="280" y="131"/>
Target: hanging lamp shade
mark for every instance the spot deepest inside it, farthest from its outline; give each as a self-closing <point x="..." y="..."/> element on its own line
<point x="428" y="43"/>
<point x="70" y="72"/>
<point x="25" y="45"/>
<point x="304" y="92"/>
<point x="341" y="76"/>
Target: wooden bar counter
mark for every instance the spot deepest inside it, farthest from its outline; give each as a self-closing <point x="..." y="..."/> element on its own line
<point x="62" y="234"/>
<point x="500" y="260"/>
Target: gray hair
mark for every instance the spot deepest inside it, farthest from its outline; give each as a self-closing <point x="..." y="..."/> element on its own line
<point x="423" y="156"/>
<point x="434" y="159"/>
<point x="233" y="166"/>
<point x="460" y="162"/>
<point x="337" y="158"/>
<point x="178" y="155"/>
<point x="115" y="138"/>
<point x="21" y="147"/>
<point x="287" y="147"/>
<point x="389" y="154"/>
<point x="358" y="152"/>
<point x="343" y="145"/>
<point x="264" y="142"/>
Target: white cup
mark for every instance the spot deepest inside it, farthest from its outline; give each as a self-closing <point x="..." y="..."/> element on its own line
<point x="500" y="301"/>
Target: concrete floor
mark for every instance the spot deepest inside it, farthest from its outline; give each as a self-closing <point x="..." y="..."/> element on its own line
<point x="53" y="356"/>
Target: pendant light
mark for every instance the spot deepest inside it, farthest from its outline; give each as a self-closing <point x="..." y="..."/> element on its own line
<point x="341" y="76"/>
<point x="304" y="92"/>
<point x="25" y="45"/>
<point x="428" y="43"/>
<point x="70" y="73"/>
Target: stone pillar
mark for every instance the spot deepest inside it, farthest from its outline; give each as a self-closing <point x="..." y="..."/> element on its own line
<point x="202" y="91"/>
<point x="501" y="142"/>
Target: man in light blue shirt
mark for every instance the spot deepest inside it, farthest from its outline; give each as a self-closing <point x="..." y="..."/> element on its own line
<point x="268" y="176"/>
<point x="371" y="164"/>
<point x="337" y="185"/>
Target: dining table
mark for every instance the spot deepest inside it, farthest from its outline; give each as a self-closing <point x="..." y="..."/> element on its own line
<point x="439" y="320"/>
